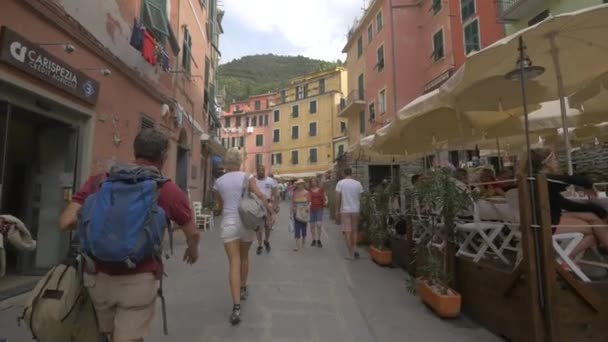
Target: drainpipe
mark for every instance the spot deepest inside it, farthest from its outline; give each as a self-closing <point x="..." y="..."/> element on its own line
<point x="415" y="3"/>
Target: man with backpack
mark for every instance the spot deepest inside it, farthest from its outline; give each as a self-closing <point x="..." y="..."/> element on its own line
<point x="121" y="219"/>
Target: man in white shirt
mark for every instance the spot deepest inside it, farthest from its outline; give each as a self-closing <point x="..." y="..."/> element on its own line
<point x="268" y="187"/>
<point x="348" y="207"/>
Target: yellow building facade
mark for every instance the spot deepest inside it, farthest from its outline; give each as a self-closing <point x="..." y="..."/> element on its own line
<point x="307" y="134"/>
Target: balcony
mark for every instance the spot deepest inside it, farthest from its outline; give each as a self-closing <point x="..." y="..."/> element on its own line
<point x="514" y="10"/>
<point x="352" y="104"/>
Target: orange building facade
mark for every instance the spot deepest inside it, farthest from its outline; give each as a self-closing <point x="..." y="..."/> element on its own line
<point x="247" y="125"/>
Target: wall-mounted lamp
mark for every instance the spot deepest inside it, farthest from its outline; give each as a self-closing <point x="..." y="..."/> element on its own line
<point x="103" y="71"/>
<point x="67" y="47"/>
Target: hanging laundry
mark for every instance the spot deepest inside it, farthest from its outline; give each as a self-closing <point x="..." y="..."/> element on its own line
<point x="137" y="35"/>
<point x="148" y="48"/>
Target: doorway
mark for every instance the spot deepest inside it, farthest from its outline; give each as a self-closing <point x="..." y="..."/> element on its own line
<point x="181" y="172"/>
<point x="37" y="166"/>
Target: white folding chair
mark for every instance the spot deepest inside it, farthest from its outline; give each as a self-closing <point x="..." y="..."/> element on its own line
<point x="487" y="231"/>
<point x="203" y="220"/>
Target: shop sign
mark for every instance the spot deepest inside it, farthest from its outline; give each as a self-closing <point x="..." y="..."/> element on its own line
<point x="19" y="52"/>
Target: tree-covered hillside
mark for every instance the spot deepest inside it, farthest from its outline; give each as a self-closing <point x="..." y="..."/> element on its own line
<point x="253" y="75"/>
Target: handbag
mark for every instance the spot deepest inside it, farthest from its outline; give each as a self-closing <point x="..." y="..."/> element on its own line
<point x="302" y="213"/>
<point x="251" y="209"/>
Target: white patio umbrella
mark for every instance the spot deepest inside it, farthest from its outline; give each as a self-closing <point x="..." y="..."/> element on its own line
<point x="563" y="53"/>
<point x="363" y="150"/>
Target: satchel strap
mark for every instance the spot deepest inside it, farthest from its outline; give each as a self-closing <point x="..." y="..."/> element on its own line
<point x="245" y="185"/>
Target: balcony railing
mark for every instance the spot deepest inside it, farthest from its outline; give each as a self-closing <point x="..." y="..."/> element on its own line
<point x="513" y="10"/>
<point x="354" y="97"/>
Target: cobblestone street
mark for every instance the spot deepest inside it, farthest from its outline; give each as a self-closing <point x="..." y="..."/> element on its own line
<point x="312" y="295"/>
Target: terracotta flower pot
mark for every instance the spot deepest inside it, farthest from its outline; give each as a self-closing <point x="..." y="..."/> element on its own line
<point x="445" y="306"/>
<point x="381" y="257"/>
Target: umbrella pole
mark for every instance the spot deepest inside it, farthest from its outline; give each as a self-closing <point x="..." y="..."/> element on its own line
<point x="499" y="155"/>
<point x="562" y="101"/>
<point x="539" y="266"/>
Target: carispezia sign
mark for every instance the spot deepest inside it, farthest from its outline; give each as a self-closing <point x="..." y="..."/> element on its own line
<point x="19" y="52"/>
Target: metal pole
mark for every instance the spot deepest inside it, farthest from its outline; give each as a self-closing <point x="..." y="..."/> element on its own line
<point x="499" y="155"/>
<point x="562" y="100"/>
<point x="541" y="294"/>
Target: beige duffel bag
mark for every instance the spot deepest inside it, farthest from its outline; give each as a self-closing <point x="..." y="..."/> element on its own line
<point x="59" y="308"/>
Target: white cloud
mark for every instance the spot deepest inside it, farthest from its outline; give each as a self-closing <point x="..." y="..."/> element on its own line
<point x="314" y="28"/>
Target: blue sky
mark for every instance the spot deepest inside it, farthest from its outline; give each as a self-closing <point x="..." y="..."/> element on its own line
<point x="312" y="28"/>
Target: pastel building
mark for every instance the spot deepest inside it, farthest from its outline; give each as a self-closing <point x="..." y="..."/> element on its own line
<point x="247" y="126"/>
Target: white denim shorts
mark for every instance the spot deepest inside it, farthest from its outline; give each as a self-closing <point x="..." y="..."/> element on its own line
<point x="233" y="229"/>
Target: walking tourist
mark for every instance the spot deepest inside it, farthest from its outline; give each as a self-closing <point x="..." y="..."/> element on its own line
<point x="318" y="200"/>
<point x="228" y="191"/>
<point x="268" y="186"/>
<point x="300" y="210"/>
<point x="348" y="206"/>
<point x="124" y="295"/>
<point x="568" y="216"/>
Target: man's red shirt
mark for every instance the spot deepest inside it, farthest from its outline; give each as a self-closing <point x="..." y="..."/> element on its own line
<point x="173" y="201"/>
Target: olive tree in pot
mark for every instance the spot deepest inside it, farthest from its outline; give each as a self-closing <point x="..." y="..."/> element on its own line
<point x="440" y="200"/>
<point x="378" y="215"/>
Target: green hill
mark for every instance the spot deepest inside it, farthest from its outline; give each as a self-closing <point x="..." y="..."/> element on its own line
<point x="259" y="74"/>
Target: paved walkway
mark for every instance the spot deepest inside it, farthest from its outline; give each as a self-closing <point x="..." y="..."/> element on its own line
<point x="312" y="295"/>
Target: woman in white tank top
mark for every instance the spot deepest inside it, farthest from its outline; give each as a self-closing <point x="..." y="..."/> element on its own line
<point x="228" y="190"/>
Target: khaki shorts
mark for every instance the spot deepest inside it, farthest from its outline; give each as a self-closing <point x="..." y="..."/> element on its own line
<point x="350" y="222"/>
<point x="125" y="305"/>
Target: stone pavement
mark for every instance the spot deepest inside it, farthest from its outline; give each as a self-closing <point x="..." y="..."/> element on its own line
<point x="311" y="295"/>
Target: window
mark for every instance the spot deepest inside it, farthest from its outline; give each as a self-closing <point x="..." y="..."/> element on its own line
<point x="254" y="121"/>
<point x="154" y="16"/>
<point x="267" y="103"/>
<point x="259" y="159"/>
<point x="380" y="64"/>
<point x="277" y="159"/>
<point x="266" y="120"/>
<point x="241" y="141"/>
<point x="187" y="53"/>
<point x="237" y="108"/>
<point x="207" y="66"/>
<point x="342" y="127"/>
<point x="295" y="111"/>
<point x="295" y="132"/>
<point x="340" y="150"/>
<point x="305" y="91"/>
<point x="467" y="9"/>
<point x="362" y="122"/>
<point x="321" y="86"/>
<point x="359" y="46"/>
<point x="312" y="108"/>
<point x="146" y="122"/>
<point x="203" y="3"/>
<point x="276" y="135"/>
<point x="542" y="16"/>
<point x="294" y="157"/>
<point x="361" y="85"/>
<point x="283" y="96"/>
<point x="248" y="124"/>
<point x="257" y="105"/>
<point x="299" y="93"/>
<point x="224" y="142"/>
<point x="277" y="115"/>
<point x="382" y="101"/>
<point x="471" y="37"/>
<point x="226" y="122"/>
<point x="379" y="22"/>
<point x="238" y="121"/>
<point x="261" y="120"/>
<point x="372" y="112"/>
<point x="436" y="6"/>
<point x="370" y="33"/>
<point x="259" y="140"/>
<point x="232" y="142"/>
<point x="312" y="129"/>
<point x="312" y="155"/>
<point x="438" y="45"/>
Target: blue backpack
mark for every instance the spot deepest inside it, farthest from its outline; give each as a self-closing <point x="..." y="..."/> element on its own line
<point x="122" y="221"/>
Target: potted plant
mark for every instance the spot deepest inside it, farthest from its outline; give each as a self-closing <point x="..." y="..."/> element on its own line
<point x="378" y="215"/>
<point x="440" y="198"/>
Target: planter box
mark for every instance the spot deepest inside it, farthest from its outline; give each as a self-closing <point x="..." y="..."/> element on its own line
<point x="381" y="257"/>
<point x="445" y="306"/>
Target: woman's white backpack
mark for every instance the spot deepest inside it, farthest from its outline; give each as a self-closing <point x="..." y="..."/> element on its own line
<point x="251" y="210"/>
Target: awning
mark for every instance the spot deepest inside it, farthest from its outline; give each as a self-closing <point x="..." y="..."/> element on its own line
<point x="299" y="175"/>
<point x="213" y="145"/>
